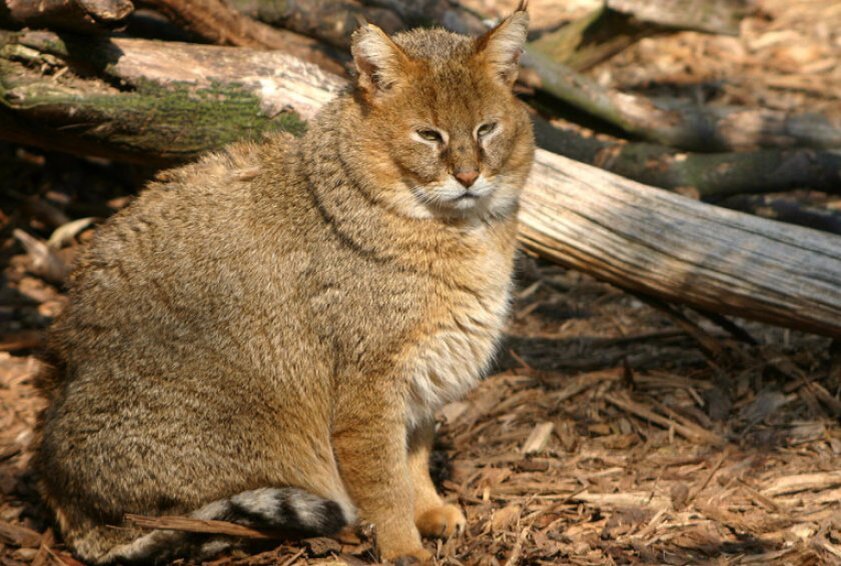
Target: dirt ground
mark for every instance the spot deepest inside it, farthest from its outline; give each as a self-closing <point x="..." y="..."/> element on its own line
<point x="612" y="431"/>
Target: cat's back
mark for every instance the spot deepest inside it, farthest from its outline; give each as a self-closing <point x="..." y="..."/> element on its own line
<point x="204" y="208"/>
<point x="191" y="251"/>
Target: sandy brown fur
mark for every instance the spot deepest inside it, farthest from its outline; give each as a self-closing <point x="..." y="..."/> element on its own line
<point x="292" y="313"/>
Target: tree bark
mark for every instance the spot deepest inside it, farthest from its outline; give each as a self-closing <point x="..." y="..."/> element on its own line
<point x="446" y="13"/>
<point x="681" y="250"/>
<point x="580" y="44"/>
<point x="682" y="126"/>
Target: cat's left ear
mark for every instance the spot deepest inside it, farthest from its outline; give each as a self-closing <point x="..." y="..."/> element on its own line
<point x="500" y="48"/>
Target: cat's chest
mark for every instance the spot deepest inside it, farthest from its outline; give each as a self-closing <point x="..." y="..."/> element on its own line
<point x="447" y="362"/>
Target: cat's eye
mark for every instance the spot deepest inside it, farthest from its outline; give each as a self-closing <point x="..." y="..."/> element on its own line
<point x="431" y="135"/>
<point x="485" y="129"/>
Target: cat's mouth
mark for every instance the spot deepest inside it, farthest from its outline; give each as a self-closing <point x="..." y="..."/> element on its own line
<point x="451" y="198"/>
<point x="467" y="196"/>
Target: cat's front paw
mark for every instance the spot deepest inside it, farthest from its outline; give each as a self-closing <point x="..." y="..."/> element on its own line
<point x="443" y="521"/>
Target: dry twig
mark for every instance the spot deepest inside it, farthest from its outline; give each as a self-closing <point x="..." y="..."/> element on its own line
<point x="189" y="524"/>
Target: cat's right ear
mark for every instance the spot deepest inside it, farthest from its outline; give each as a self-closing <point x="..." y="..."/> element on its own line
<point x="500" y="48"/>
<point x="379" y="61"/>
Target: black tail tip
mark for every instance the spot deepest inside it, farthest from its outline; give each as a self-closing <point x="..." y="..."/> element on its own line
<point x="334" y="519"/>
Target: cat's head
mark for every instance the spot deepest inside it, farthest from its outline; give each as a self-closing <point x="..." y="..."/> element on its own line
<point x="450" y="137"/>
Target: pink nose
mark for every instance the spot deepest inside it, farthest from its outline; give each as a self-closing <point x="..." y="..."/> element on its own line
<point x="466" y="178"/>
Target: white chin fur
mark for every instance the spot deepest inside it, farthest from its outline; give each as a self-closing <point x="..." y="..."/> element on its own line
<point x="450" y="196"/>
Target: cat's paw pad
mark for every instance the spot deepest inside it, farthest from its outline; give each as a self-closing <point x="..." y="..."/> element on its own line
<point x="444" y="521"/>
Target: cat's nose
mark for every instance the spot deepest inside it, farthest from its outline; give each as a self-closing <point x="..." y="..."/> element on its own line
<point x="466" y="177"/>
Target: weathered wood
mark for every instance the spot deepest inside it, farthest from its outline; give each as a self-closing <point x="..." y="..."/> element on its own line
<point x="690" y="127"/>
<point x="168" y="101"/>
<point x="68" y="15"/>
<point x="681" y="250"/>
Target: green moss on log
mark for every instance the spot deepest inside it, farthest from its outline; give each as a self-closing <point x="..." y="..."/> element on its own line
<point x="158" y="122"/>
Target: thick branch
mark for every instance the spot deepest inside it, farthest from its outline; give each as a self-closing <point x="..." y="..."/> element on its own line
<point x="682" y="250"/>
<point x="334" y="22"/>
<point x="712" y="175"/>
<point x="683" y="126"/>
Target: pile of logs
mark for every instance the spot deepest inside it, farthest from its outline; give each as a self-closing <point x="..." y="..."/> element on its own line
<point x="105" y="78"/>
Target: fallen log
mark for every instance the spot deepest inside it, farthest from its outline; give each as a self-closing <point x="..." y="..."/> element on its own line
<point x="674" y="248"/>
<point x="709" y="176"/>
<point x="634" y="236"/>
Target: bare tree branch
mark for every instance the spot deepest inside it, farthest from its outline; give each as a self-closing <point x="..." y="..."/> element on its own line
<point x="689" y="127"/>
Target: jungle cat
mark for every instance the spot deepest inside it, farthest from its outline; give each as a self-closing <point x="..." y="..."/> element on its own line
<point x="264" y="336"/>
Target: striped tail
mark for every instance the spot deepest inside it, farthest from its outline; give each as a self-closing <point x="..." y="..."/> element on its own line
<point x="288" y="510"/>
